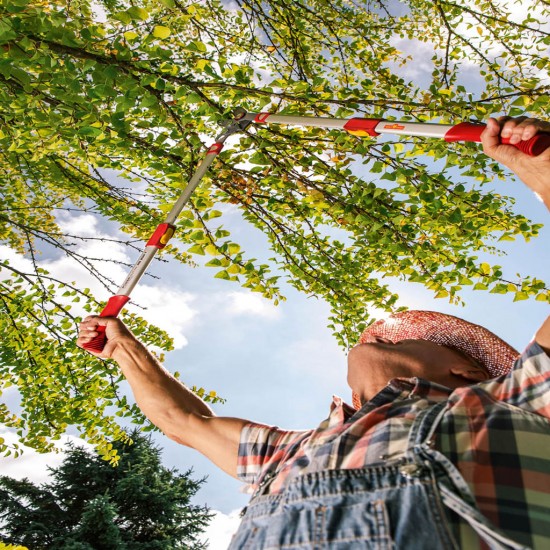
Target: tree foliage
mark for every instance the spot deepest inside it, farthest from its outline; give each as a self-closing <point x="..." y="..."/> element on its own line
<point x="88" y="504"/>
<point x="91" y="89"/>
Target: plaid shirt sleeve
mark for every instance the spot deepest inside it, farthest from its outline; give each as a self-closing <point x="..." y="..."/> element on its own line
<point x="260" y="445"/>
<point x="527" y="386"/>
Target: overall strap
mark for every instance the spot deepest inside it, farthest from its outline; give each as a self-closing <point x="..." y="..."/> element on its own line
<point x="425" y="424"/>
<point x="454" y="491"/>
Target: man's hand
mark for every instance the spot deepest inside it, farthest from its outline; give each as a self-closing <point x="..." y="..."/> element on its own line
<point x="115" y="331"/>
<point x="533" y="171"/>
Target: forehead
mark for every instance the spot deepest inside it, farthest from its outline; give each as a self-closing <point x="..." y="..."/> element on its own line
<point x="464" y="354"/>
<point x="430" y="343"/>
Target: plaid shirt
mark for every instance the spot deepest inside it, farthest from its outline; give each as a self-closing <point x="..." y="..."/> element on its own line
<point x="497" y="433"/>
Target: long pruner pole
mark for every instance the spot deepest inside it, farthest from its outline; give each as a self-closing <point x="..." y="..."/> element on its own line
<point x="163" y="233"/>
<point x="464" y="131"/>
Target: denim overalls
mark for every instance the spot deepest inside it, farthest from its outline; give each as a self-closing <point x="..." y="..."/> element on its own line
<point x="398" y="504"/>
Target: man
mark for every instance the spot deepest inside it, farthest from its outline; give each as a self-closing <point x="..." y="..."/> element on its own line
<point x="448" y="445"/>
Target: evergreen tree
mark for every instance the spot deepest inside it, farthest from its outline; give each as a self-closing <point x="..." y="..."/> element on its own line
<point x="89" y="504"/>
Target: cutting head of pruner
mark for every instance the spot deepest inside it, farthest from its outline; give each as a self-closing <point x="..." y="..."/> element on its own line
<point x="236" y="124"/>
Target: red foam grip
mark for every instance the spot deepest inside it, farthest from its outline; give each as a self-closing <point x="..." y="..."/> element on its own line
<point x="468" y="131"/>
<point x="534" y="146"/>
<point x="98" y="343"/>
<point x="112" y="309"/>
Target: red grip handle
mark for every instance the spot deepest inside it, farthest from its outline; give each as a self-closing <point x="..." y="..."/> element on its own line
<point x="112" y="309"/>
<point x="468" y="131"/>
<point x="533" y="147"/>
<point x="98" y="343"/>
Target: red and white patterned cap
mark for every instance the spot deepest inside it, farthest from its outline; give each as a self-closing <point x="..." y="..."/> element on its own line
<point x="446" y="330"/>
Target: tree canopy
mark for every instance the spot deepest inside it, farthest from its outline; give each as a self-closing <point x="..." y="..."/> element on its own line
<point x="92" y="89"/>
<point x="88" y="504"/>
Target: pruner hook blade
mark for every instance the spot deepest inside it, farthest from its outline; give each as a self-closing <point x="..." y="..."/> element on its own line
<point x="237" y="124"/>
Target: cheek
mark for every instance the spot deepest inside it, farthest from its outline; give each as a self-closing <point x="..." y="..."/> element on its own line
<point x="435" y="367"/>
<point x="358" y="355"/>
<point x="362" y="360"/>
<point x="355" y="362"/>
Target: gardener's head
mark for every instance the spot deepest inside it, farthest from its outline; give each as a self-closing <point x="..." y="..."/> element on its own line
<point x="425" y="344"/>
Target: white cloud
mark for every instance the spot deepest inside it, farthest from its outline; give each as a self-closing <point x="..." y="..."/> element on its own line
<point x="102" y="248"/>
<point x="167" y="309"/>
<point x="84" y="225"/>
<point x="15" y="260"/>
<point x="249" y="303"/>
<point x="418" y="68"/>
<point x="162" y="305"/>
<point x="33" y="465"/>
<point x="99" y="13"/>
<point x="221" y="529"/>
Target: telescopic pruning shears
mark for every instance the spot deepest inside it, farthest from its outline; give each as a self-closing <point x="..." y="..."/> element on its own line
<point x="363" y="127"/>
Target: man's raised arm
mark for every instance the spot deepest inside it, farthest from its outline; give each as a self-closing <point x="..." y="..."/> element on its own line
<point x="533" y="171"/>
<point x="172" y="407"/>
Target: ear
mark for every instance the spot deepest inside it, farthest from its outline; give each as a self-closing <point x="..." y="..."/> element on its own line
<point x="470" y="372"/>
<point x="382" y="340"/>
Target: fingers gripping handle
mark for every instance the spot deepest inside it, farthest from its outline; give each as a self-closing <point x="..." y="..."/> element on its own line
<point x="98" y="343"/>
<point x="533" y="147"/>
<point x="467" y="131"/>
<point x="112" y="309"/>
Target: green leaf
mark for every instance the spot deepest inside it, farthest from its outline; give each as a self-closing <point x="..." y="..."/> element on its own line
<point x="196" y="46"/>
<point x="214" y="262"/>
<point x="131" y="35"/>
<point x="7" y="32"/>
<point x="137" y="13"/>
<point x="196" y="249"/>
<point x="89" y="131"/>
<point x="485" y="268"/>
<point x="258" y="158"/>
<point x="161" y="32"/>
